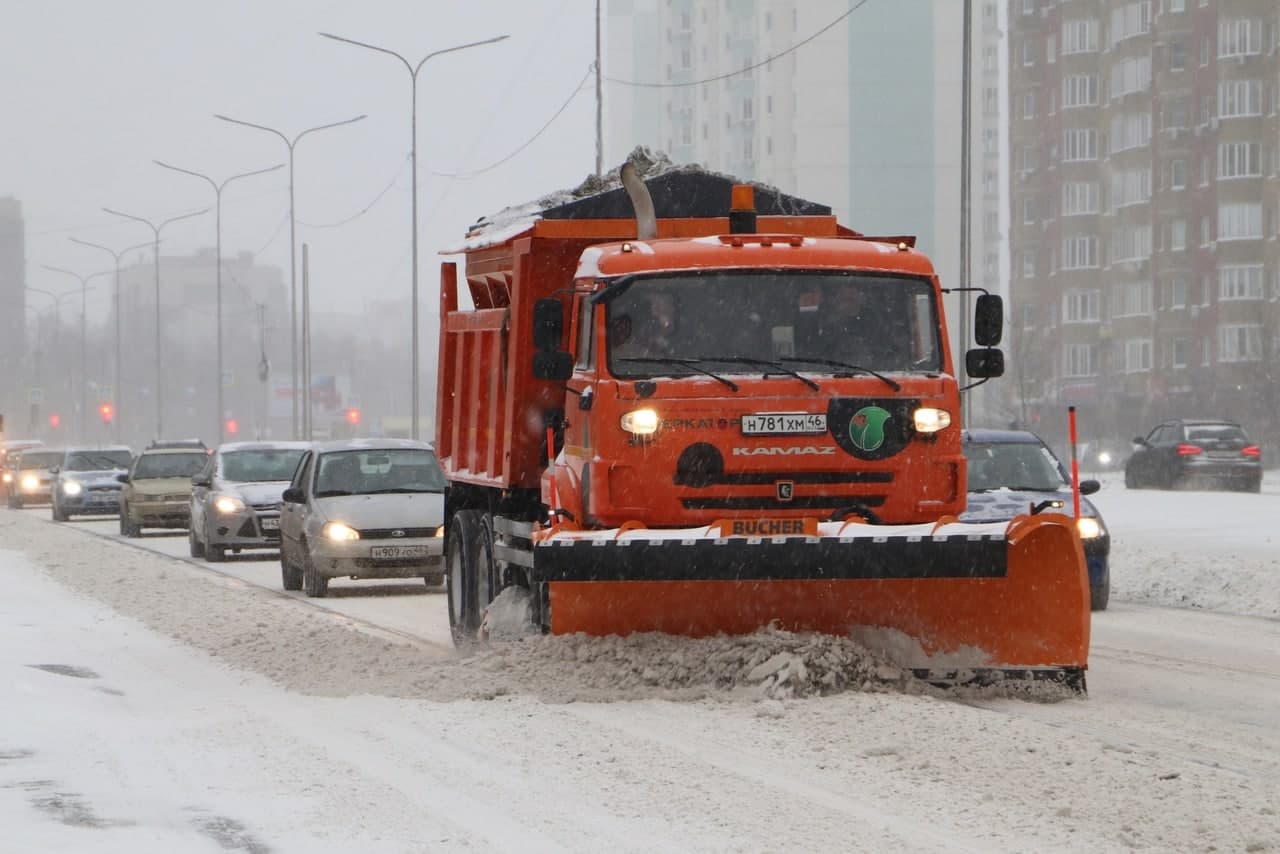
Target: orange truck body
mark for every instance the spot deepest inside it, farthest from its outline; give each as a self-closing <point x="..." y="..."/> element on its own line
<point x="725" y="513"/>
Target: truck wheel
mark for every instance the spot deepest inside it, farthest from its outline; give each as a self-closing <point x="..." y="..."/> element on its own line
<point x="290" y="576"/>
<point x="315" y="585"/>
<point x="193" y="543"/>
<point x="461" y="565"/>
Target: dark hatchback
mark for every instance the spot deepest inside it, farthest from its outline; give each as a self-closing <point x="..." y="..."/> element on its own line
<point x="1195" y="453"/>
<point x="1012" y="471"/>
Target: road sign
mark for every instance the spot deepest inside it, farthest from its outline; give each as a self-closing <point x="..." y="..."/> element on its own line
<point x="35" y="396"/>
<point x="228" y="378"/>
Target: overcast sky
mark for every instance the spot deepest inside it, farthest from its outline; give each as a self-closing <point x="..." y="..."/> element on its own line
<point x="91" y="91"/>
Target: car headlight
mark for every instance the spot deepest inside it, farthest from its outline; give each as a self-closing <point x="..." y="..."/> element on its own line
<point x="640" y="422"/>
<point x="930" y="420"/>
<point x="340" y="532"/>
<point x="30" y="482"/>
<point x="71" y="487"/>
<point x="226" y="504"/>
<point x="1104" y="457"/>
<point x="1089" y="527"/>
<point x="8" y="477"/>
<point x="440" y="532"/>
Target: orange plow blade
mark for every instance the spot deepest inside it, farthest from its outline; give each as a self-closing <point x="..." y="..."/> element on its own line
<point x="1011" y="601"/>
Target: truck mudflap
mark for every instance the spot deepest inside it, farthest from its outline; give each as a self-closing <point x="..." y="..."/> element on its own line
<point x="981" y="601"/>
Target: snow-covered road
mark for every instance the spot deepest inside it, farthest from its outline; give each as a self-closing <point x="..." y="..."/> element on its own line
<point x="155" y="705"/>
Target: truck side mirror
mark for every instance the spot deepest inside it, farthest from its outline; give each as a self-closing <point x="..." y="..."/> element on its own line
<point x="988" y="321"/>
<point x="548" y="324"/>
<point x="556" y="365"/>
<point x="984" y="362"/>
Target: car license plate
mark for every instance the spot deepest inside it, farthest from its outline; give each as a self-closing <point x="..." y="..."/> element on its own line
<point x="775" y="423"/>
<point x="394" y="552"/>
<point x="270" y="524"/>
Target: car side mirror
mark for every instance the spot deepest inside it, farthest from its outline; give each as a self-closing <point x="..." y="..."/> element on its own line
<point x="201" y="480"/>
<point x="293" y="495"/>
<point x="1139" y="441"/>
<point x="1089" y="487"/>
<point x="55" y="469"/>
<point x="123" y="478"/>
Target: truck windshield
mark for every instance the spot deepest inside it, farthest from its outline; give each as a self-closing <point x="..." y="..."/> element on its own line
<point x="731" y="321"/>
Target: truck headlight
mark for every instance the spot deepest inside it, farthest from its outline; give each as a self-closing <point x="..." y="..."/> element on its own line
<point x="1089" y="527"/>
<point x="227" y="504"/>
<point x="71" y="487"/>
<point x="340" y="532"/>
<point x="930" y="420"/>
<point x="640" y="422"/>
<point x="31" y="483"/>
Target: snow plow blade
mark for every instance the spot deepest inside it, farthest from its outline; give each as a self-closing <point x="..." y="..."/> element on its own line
<point x="983" y="602"/>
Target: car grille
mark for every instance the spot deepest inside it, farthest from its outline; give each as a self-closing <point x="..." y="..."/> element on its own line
<point x="387" y="533"/>
<point x="266" y="508"/>
<point x="103" y="489"/>
<point x="174" y="496"/>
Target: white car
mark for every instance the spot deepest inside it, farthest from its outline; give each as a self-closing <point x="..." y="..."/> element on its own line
<point x="363" y="509"/>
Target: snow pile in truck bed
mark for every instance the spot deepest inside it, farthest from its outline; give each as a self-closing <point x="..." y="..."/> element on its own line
<point x="316" y="651"/>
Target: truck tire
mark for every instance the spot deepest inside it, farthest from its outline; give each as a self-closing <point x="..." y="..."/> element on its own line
<point x="461" y="548"/>
<point x="314" y="585"/>
<point x="290" y="576"/>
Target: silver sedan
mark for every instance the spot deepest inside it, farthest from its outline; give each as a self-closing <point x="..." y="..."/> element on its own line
<point x="363" y="509"/>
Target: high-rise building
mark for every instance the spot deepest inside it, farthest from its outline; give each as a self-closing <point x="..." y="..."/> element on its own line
<point x="857" y="108"/>
<point x="13" y="266"/>
<point x="1145" y="198"/>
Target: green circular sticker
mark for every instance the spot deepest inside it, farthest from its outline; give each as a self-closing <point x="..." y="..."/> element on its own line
<point x="866" y="428"/>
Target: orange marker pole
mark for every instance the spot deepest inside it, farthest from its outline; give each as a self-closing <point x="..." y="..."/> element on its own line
<point x="1075" y="463"/>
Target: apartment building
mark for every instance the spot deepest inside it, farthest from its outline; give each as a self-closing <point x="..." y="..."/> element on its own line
<point x="1145" y="204"/>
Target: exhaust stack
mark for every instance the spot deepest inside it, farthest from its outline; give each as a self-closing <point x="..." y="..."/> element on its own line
<point x="641" y="202"/>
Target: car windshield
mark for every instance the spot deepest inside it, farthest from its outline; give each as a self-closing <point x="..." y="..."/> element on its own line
<point x="168" y="465"/>
<point x="261" y="465"/>
<point x="1012" y="465"/>
<point x="97" y="460"/>
<point x="38" y="460"/>
<point x="776" y="322"/>
<point x="370" y="472"/>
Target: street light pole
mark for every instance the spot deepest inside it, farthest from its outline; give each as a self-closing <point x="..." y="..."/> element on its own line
<point x="217" y="194"/>
<point x="293" y="245"/>
<point x="115" y="371"/>
<point x="84" y="351"/>
<point x="413" y="168"/>
<point x="156" y="229"/>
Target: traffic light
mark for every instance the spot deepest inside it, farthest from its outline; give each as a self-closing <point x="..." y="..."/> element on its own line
<point x="55" y="421"/>
<point x="233" y="426"/>
<point x="353" y="416"/>
<point x="107" y="411"/>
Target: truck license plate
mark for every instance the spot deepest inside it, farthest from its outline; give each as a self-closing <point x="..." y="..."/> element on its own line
<point x="395" y="552"/>
<point x="270" y="524"/>
<point x="782" y="423"/>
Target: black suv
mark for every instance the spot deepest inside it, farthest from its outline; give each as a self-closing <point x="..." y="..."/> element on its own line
<point x="1192" y="452"/>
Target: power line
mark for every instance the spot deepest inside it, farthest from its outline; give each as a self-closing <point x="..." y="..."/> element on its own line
<point x="274" y="234"/>
<point x="364" y="210"/>
<point x="855" y="7"/>
<point x="463" y="176"/>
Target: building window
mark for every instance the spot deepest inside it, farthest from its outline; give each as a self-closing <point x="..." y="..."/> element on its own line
<point x="1081" y="307"/>
<point x="990" y="141"/>
<point x="1135" y="300"/>
<point x="1080" y="253"/>
<point x="1080" y="360"/>
<point x="1177" y="6"/>
<point x="1028" y="210"/>
<point x="1175" y="293"/>
<point x="1129" y="20"/>
<point x="1129" y="76"/>
<point x="1028" y="7"/>
<point x="1239" y="160"/>
<point x="1239" y="37"/>
<point x="1177" y="54"/>
<point x="1240" y="221"/>
<point x="1240" y="342"/>
<point x="1137" y="355"/>
<point x="1079" y="144"/>
<point x="1178" y="235"/>
<point x="1179" y="352"/>
<point x="1079" y="197"/>
<point x="1130" y="130"/>
<point x="1131" y="243"/>
<point x="990" y="59"/>
<point x="1240" y="282"/>
<point x="1029" y="105"/>
<point x="1030" y="158"/>
<point x="1080" y="90"/>
<point x="1080" y="36"/>
<point x="1130" y="187"/>
<point x="1028" y="263"/>
<point x="747" y="109"/>
<point x="1050" y="49"/>
<point x="1239" y="98"/>
<point x="1177" y="174"/>
<point x="990" y="100"/>
<point x="991" y="182"/>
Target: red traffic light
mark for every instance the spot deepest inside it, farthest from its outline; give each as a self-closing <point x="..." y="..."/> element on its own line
<point x="233" y="426"/>
<point x="353" y="416"/>
<point x="55" y="421"/>
<point x="107" y="411"/>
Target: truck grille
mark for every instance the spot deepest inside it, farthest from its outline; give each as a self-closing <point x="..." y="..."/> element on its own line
<point x="769" y="502"/>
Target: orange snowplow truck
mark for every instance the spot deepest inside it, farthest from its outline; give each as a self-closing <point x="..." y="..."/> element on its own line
<point x="694" y="407"/>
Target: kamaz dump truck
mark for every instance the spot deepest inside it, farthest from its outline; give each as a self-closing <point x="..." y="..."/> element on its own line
<point x="693" y="406"/>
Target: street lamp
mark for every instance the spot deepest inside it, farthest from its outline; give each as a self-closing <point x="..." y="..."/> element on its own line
<point x="84" y="357"/>
<point x="115" y="256"/>
<point x="413" y="158"/>
<point x="293" y="245"/>
<point x="217" y="193"/>
<point x="156" y="229"/>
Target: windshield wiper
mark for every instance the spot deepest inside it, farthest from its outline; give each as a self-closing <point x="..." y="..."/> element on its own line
<point x="331" y="493"/>
<point x="833" y="363"/>
<point x="399" y="490"/>
<point x="777" y="366"/>
<point x="688" y="363"/>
